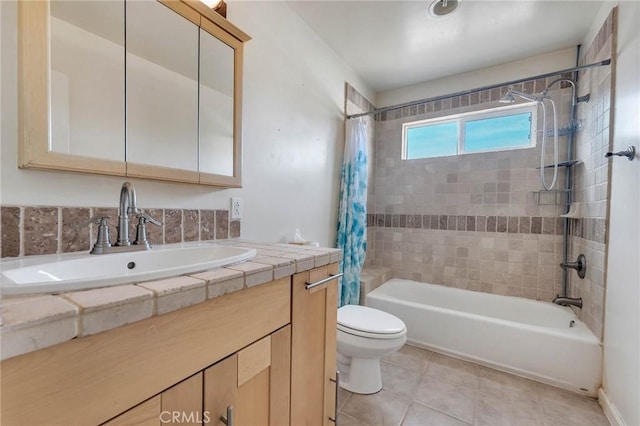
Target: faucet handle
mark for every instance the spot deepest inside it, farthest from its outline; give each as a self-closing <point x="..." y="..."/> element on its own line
<point x="141" y="228"/>
<point x="100" y="220"/>
<point x="144" y="217"/>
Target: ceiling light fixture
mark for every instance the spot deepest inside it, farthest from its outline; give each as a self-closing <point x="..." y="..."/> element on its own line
<point x="440" y="8"/>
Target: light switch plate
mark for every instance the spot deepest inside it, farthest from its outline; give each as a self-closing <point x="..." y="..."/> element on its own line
<point x="236" y="208"/>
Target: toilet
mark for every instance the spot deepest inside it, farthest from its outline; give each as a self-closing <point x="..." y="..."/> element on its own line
<point x="364" y="336"/>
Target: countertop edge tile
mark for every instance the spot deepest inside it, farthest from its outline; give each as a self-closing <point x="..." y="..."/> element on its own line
<point x="21" y="312"/>
<point x="172" y="285"/>
<point x="89" y="300"/>
<point x="213" y="276"/>
<point x="128" y="303"/>
<point x="40" y="336"/>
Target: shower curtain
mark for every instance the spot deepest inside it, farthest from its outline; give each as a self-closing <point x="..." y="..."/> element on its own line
<point x="352" y="219"/>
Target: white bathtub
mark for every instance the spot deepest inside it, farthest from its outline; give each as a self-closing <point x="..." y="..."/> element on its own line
<point x="525" y="337"/>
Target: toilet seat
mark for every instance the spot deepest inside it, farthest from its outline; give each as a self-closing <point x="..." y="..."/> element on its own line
<point x="368" y="322"/>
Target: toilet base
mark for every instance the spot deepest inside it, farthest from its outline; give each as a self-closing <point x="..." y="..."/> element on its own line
<point x="366" y="373"/>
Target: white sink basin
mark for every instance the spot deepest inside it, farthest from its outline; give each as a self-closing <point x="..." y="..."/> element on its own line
<point x="59" y="273"/>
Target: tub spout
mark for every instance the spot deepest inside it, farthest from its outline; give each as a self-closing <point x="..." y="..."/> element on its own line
<point x="565" y="301"/>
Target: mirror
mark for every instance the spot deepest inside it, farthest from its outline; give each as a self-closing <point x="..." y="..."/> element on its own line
<point x="87" y="78"/>
<point x="97" y="95"/>
<point x="162" y="87"/>
<point x="220" y="107"/>
<point x="216" y="106"/>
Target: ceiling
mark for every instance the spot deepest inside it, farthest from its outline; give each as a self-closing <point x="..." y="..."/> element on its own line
<point x="393" y="44"/>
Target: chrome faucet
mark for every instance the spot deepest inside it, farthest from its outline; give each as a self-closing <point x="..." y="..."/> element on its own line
<point x="128" y="206"/>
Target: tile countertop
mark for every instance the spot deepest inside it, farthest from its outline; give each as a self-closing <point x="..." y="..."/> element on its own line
<point x="34" y="322"/>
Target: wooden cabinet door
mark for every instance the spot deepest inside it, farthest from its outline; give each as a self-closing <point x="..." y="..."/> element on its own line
<point x="252" y="384"/>
<point x="221" y="389"/>
<point x="313" y="347"/>
<point x="181" y="404"/>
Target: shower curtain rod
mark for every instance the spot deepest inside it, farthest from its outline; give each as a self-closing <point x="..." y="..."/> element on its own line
<point x="480" y="89"/>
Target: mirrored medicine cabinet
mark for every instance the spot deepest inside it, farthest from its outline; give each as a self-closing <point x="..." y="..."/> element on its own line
<point x="139" y="88"/>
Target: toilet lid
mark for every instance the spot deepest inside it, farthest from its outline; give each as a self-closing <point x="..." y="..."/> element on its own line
<point x="369" y="320"/>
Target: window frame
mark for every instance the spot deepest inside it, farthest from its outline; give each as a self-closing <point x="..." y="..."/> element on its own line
<point x="462" y="118"/>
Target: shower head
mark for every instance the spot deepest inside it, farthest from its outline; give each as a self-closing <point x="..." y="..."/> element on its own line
<point x="509" y="97"/>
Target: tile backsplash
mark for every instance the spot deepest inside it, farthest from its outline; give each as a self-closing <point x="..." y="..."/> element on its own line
<point x="37" y="230"/>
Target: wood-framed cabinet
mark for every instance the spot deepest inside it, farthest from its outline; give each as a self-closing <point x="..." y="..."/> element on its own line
<point x="248" y="388"/>
<point x="313" y="347"/>
<point x="268" y="351"/>
<point x="144" y="89"/>
<point x="252" y="386"/>
<point x="182" y="402"/>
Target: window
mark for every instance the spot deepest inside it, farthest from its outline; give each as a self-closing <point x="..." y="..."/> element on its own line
<point x="497" y="129"/>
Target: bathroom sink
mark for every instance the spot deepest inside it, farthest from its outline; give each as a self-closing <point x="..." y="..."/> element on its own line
<point x="59" y="273"/>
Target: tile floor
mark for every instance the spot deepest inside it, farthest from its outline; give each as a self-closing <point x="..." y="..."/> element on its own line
<point x="423" y="388"/>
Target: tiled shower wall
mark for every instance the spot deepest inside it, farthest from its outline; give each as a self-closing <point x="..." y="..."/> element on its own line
<point x="591" y="179"/>
<point x="34" y="230"/>
<point x="470" y="221"/>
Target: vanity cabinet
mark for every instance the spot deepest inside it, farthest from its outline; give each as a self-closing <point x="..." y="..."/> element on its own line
<point x="93" y="379"/>
<point x="313" y="347"/>
<point x="268" y="351"/>
<point x="252" y="386"/>
<point x="185" y="397"/>
<point x="157" y="95"/>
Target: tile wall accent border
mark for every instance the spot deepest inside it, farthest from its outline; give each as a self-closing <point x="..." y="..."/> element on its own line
<point x="37" y="230"/>
<point x="358" y="99"/>
<point x="476" y="98"/>
<point x="604" y="33"/>
<point x="507" y="224"/>
<point x="590" y="229"/>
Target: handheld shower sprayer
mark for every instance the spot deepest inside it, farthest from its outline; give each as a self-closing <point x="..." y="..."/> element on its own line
<point x="509" y="97"/>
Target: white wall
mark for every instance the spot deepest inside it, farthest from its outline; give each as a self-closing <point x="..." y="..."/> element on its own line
<point x="294" y="100"/>
<point x="529" y="67"/>
<point x="621" y="368"/>
<point x="293" y="135"/>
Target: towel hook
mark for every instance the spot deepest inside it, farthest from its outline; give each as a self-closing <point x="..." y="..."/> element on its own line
<point x="630" y="153"/>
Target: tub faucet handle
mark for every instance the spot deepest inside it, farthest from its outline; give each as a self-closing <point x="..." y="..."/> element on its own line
<point x="579" y="265"/>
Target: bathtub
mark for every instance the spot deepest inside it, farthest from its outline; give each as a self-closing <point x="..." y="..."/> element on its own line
<point x="533" y="339"/>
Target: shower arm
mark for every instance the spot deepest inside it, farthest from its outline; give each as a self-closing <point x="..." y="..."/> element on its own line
<point x="566" y="80"/>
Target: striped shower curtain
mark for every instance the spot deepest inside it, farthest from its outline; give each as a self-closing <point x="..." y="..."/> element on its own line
<point x="352" y="219"/>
